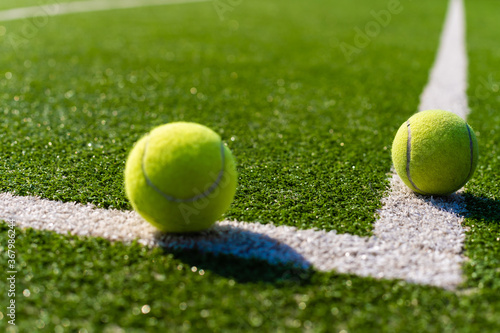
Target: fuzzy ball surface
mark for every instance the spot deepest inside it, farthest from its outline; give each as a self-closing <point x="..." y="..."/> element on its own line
<point x="435" y="152"/>
<point x="180" y="177"/>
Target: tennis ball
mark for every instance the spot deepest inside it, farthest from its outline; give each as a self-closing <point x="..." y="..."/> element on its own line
<point x="180" y="177"/>
<point x="435" y="152"/>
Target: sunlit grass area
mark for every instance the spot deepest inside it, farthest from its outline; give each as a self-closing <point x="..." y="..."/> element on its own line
<point x="310" y="126"/>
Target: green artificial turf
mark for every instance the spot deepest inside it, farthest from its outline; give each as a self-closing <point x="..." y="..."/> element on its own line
<point x="311" y="129"/>
<point x="272" y="80"/>
<point x="90" y="285"/>
<point x="51" y="4"/>
<point x="483" y="199"/>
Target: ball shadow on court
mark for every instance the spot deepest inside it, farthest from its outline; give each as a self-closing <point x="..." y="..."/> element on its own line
<point x="238" y="254"/>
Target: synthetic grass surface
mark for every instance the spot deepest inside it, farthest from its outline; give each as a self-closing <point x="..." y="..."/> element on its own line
<point x="483" y="200"/>
<point x="92" y="285"/>
<point x="311" y="132"/>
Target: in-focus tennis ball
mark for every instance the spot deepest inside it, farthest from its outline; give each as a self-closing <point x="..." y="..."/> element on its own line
<point x="435" y="152"/>
<point x="180" y="177"/>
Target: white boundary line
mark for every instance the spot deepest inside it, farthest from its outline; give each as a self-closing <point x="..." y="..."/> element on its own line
<point x="65" y="8"/>
<point x="447" y="87"/>
<point x="400" y="249"/>
<point x="416" y="239"/>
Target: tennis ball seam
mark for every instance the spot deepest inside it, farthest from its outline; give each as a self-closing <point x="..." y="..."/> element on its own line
<point x="408" y="158"/>
<point x="471" y="145"/>
<point x="171" y="198"/>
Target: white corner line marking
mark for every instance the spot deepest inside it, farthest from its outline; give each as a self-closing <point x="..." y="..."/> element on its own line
<point x="64" y="8"/>
<point x="415" y="239"/>
<point x="447" y="87"/>
<point x="436" y="221"/>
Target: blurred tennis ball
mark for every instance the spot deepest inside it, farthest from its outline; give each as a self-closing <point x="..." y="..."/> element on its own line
<point x="180" y="177"/>
<point x="435" y="152"/>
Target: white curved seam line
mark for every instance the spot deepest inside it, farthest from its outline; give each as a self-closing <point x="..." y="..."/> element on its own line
<point x="194" y="198"/>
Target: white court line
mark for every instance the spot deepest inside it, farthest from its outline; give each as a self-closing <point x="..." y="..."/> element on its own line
<point x="416" y="239"/>
<point x="409" y="250"/>
<point x="447" y="87"/>
<point x="65" y="8"/>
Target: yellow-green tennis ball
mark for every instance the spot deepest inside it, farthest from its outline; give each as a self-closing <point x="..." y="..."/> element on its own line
<point x="180" y="177"/>
<point x="435" y="152"/>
